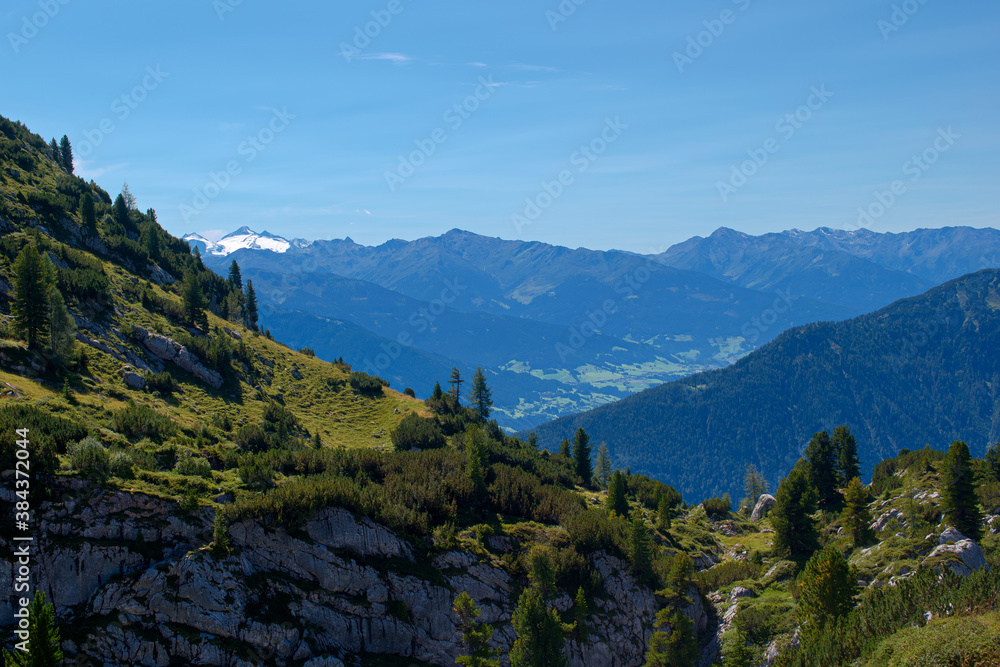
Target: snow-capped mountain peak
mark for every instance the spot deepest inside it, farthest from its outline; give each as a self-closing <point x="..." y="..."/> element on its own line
<point x="242" y="238"/>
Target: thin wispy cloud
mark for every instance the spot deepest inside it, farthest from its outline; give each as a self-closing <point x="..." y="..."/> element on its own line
<point x="394" y="58"/>
<point x="83" y="169"/>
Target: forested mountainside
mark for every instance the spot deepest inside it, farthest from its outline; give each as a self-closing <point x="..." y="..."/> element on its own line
<point x="923" y="370"/>
<point x="199" y="493"/>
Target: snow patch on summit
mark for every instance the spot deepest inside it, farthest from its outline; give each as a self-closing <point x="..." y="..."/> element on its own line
<point x="242" y="238"/>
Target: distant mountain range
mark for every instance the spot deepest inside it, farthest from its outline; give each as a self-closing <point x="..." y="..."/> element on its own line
<point x="924" y="370"/>
<point x="561" y="330"/>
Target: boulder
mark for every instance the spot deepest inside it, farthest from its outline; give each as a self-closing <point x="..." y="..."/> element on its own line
<point x="969" y="557"/>
<point x="763" y="506"/>
<point x="950" y="534"/>
<point x="133" y="380"/>
<point x="885" y="518"/>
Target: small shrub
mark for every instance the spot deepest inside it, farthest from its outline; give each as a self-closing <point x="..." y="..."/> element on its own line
<point x="138" y="421"/>
<point x="415" y="432"/>
<point x="121" y="466"/>
<point x="90" y="457"/>
<point x="161" y="382"/>
<point x="193" y="466"/>
<point x="367" y="384"/>
<point x="308" y="351"/>
<point x="716" y="508"/>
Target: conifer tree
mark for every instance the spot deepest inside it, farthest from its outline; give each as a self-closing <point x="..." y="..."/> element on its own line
<point x="823" y="462"/>
<point x="88" y="216"/>
<point x="55" y="151"/>
<point x="66" y="154"/>
<point x="958" y="493"/>
<point x="754" y="485"/>
<point x="62" y="327"/>
<point x="617" y="500"/>
<point x="480" y="395"/>
<point x="476" y="451"/>
<point x="194" y="301"/>
<point x="581" y="456"/>
<point x="438" y="393"/>
<point x="235" y="278"/>
<point x="737" y="653"/>
<point x="603" y="468"/>
<point x="32" y="279"/>
<point x="542" y="571"/>
<point x="128" y="197"/>
<point x="44" y="646"/>
<point x="794" y="528"/>
<point x="857" y="517"/>
<point x="640" y="550"/>
<point x="678" y="648"/>
<point x="663" y="513"/>
<point x="120" y="213"/>
<point x="455" y="380"/>
<point x="826" y="588"/>
<point x="475" y="636"/>
<point x="533" y="440"/>
<point x="539" y="633"/>
<point x="564" y="448"/>
<point x="847" y="454"/>
<point x="250" y="306"/>
<point x="992" y="459"/>
<point x="580" y="611"/>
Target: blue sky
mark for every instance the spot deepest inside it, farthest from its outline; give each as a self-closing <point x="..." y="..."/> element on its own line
<point x="237" y="80"/>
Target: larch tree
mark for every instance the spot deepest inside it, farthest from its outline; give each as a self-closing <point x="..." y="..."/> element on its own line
<point x="475" y="635"/>
<point x="754" y="485"/>
<point x="603" y="467"/>
<point x="857" y="518"/>
<point x="455" y="380"/>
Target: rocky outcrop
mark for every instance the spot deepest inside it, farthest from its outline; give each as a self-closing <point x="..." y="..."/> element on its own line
<point x="883" y="520"/>
<point x="963" y="557"/>
<point x="321" y="593"/>
<point x="763" y="506"/>
<point x="132" y="379"/>
<point x="170" y="350"/>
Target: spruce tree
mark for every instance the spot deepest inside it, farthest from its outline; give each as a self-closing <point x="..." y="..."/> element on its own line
<point x="32" y="279"/>
<point x="120" y="213"/>
<point x="826" y="588"/>
<point x="88" y="216"/>
<point x="437" y="394"/>
<point x="847" y="454"/>
<point x="235" y="279"/>
<point x="564" y="448"/>
<point x="476" y="467"/>
<point x="992" y="459"/>
<point x="857" y="517"/>
<point x="250" y="306"/>
<point x="794" y="528"/>
<point x="603" y="468"/>
<point x="475" y="636"/>
<point x="617" y="500"/>
<point x="678" y="648"/>
<point x="194" y="302"/>
<point x="455" y="380"/>
<point x="663" y="513"/>
<point x="480" y="395"/>
<point x="958" y="493"/>
<point x="823" y="462"/>
<point x="737" y="653"/>
<point x="55" y="152"/>
<point x="539" y="633"/>
<point x="128" y="197"/>
<point x="62" y="327"/>
<point x="581" y="456"/>
<point x="44" y="645"/>
<point x="66" y="154"/>
<point x="640" y="550"/>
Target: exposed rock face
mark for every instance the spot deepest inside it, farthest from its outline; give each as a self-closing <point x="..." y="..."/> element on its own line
<point x="170" y="350"/>
<point x="319" y="594"/>
<point x="950" y="534"/>
<point x="885" y="518"/>
<point x="763" y="506"/>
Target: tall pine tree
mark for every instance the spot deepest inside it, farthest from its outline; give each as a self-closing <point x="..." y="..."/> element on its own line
<point x="235" y="279"/>
<point x="617" y="500"/>
<point x="32" y="278"/>
<point x="475" y="636"/>
<point x="480" y="395"/>
<point x="849" y="466"/>
<point x="794" y="528"/>
<point x="827" y="588"/>
<point x="581" y="456"/>
<point x="676" y="648"/>
<point x="455" y="380"/>
<point x="539" y="633"/>
<point x="857" y="518"/>
<point x="66" y="154"/>
<point x="194" y="301"/>
<point x="88" y="216"/>
<point x="603" y="468"/>
<point x="958" y="492"/>
<point x="823" y="462"/>
<point x="250" y="306"/>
